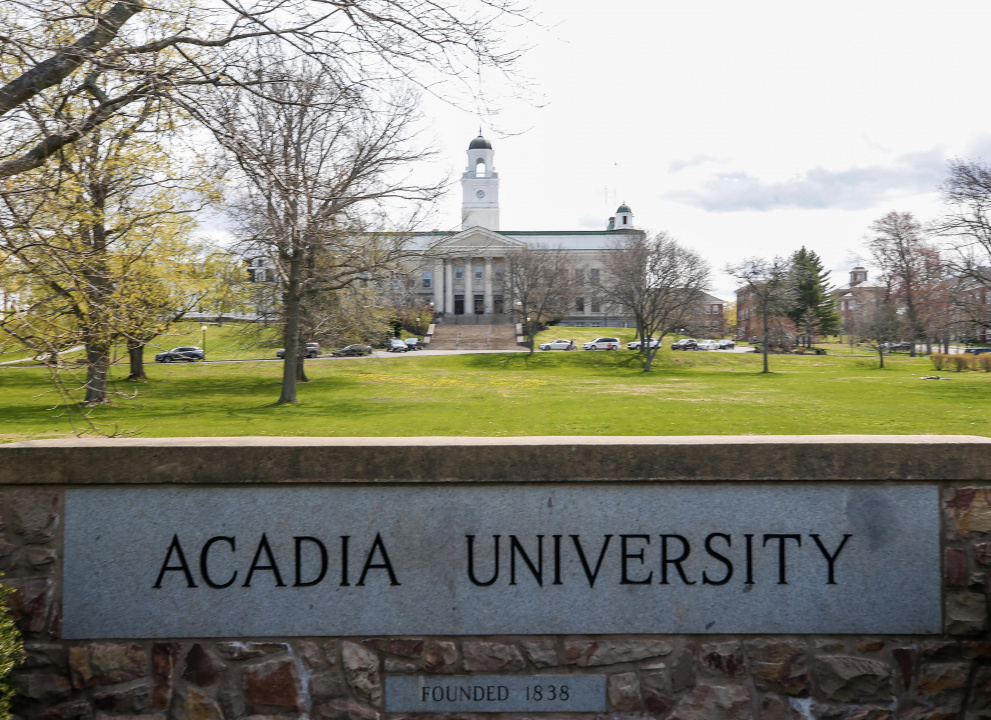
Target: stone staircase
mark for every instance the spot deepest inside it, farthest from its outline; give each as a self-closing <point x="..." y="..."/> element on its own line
<point x="474" y="337"/>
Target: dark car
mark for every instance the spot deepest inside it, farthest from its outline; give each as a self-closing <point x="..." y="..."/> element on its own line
<point x="188" y="353"/>
<point x="312" y="351"/>
<point x="685" y="344"/>
<point x="397" y="345"/>
<point x="978" y="351"/>
<point x="353" y="351"/>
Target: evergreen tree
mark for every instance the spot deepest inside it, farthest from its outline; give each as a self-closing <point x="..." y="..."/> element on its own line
<point x="812" y="308"/>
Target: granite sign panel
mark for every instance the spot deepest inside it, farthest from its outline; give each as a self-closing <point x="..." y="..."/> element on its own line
<point x="495" y="693"/>
<point x="501" y="559"/>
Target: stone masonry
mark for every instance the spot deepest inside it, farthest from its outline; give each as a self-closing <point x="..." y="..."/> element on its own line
<point x="673" y="677"/>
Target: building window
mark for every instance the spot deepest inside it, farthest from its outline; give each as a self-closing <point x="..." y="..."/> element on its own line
<point x="459" y="272"/>
<point x="580" y="304"/>
<point x="624" y="219"/>
<point x="594" y="273"/>
<point x="595" y="305"/>
<point x="426" y="278"/>
<point x="478" y="272"/>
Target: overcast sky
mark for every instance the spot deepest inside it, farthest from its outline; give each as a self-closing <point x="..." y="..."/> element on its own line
<point x="743" y="128"/>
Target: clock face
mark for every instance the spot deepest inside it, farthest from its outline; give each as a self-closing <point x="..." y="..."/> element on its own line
<point x="480" y="194"/>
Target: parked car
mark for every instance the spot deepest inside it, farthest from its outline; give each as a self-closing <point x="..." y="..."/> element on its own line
<point x="978" y="351"/>
<point x="397" y="345"/>
<point x="726" y="344"/>
<point x="652" y="343"/>
<point x="897" y="347"/>
<point x="706" y="345"/>
<point x="558" y="345"/>
<point x="353" y="351"/>
<point x="312" y="351"/>
<point x="602" y="343"/>
<point x="684" y="344"/>
<point x="414" y="343"/>
<point x="189" y="353"/>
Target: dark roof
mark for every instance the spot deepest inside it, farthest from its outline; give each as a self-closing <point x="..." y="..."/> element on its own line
<point x="480" y="143"/>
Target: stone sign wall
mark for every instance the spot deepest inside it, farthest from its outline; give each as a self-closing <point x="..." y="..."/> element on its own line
<point x="78" y="516"/>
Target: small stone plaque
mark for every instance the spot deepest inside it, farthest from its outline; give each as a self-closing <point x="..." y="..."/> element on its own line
<point x="496" y="693"/>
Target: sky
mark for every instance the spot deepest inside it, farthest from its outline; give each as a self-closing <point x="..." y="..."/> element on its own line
<point x="741" y="128"/>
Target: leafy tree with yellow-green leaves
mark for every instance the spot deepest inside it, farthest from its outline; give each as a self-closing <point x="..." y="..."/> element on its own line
<point x="11" y="653"/>
<point x="97" y="241"/>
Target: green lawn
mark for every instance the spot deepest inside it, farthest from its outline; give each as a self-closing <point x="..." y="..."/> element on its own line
<point x="563" y="393"/>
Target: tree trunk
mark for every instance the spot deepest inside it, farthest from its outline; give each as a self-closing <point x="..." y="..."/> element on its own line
<point x="136" y="355"/>
<point x="293" y="304"/>
<point x="650" y="359"/>
<point x="880" y="355"/>
<point x="98" y="363"/>
<point x="767" y="333"/>
<point x="300" y="370"/>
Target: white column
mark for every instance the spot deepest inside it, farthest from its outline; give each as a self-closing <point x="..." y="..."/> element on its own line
<point x="438" y="281"/>
<point x="469" y="291"/>
<point x="487" y="275"/>
<point x="448" y="286"/>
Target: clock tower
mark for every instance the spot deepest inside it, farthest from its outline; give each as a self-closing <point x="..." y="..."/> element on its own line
<point x="480" y="187"/>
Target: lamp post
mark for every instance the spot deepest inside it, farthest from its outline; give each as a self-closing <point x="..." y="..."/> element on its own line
<point x="203" y="328"/>
<point x="526" y="331"/>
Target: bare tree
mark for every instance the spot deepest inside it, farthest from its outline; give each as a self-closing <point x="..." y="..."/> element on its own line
<point x="308" y="163"/>
<point x="911" y="267"/>
<point x="658" y="281"/>
<point x="121" y="52"/>
<point x="767" y="284"/>
<point x="544" y="284"/>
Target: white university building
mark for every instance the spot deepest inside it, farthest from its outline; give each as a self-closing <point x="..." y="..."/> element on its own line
<point x="465" y="272"/>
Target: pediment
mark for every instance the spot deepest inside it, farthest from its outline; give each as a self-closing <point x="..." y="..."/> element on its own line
<point x="476" y="239"/>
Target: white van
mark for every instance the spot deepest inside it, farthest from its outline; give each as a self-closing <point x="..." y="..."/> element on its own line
<point x="602" y="344"/>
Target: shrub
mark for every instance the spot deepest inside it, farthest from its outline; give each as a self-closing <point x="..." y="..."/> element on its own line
<point x="938" y="359"/>
<point x="11" y="653"/>
<point x="960" y="361"/>
<point x="985" y="362"/>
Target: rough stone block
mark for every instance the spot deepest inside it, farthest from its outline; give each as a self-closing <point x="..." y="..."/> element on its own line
<point x="327" y="686"/>
<point x="130" y="701"/>
<point x="399" y="666"/>
<point x="979" y="697"/>
<point x="966" y="613"/>
<point x="655" y="686"/>
<point x="714" y="702"/>
<point x="954" y="567"/>
<point x="271" y="686"/>
<point x="230" y="697"/>
<point x="202" y="666"/>
<point x="34" y="515"/>
<point x="403" y="647"/>
<point x="72" y="710"/>
<point x="542" y="652"/>
<point x="106" y="664"/>
<point x="611" y="651"/>
<point x="774" y="708"/>
<point x="855" y="712"/>
<point x="164" y="657"/>
<point x="845" y="678"/>
<point x="439" y="656"/>
<point x="870" y="646"/>
<point x="345" y="710"/>
<point x="491" y="657"/>
<point x="237" y="650"/>
<point x="943" y="683"/>
<point x="43" y="687"/>
<point x="361" y="668"/>
<point x="779" y="666"/>
<point x="683" y="670"/>
<point x="906" y="659"/>
<point x="623" y="692"/>
<point x="30" y="603"/>
<point x="725" y="658"/>
<point x="10" y="556"/>
<point x="42" y="655"/>
<point x="970" y="509"/>
<point x="194" y="705"/>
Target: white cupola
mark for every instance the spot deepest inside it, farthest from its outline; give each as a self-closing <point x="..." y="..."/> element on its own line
<point x="623" y="219"/>
<point x="480" y="187"/>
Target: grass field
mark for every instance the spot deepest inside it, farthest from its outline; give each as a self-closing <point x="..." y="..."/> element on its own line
<point x="564" y="393"/>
